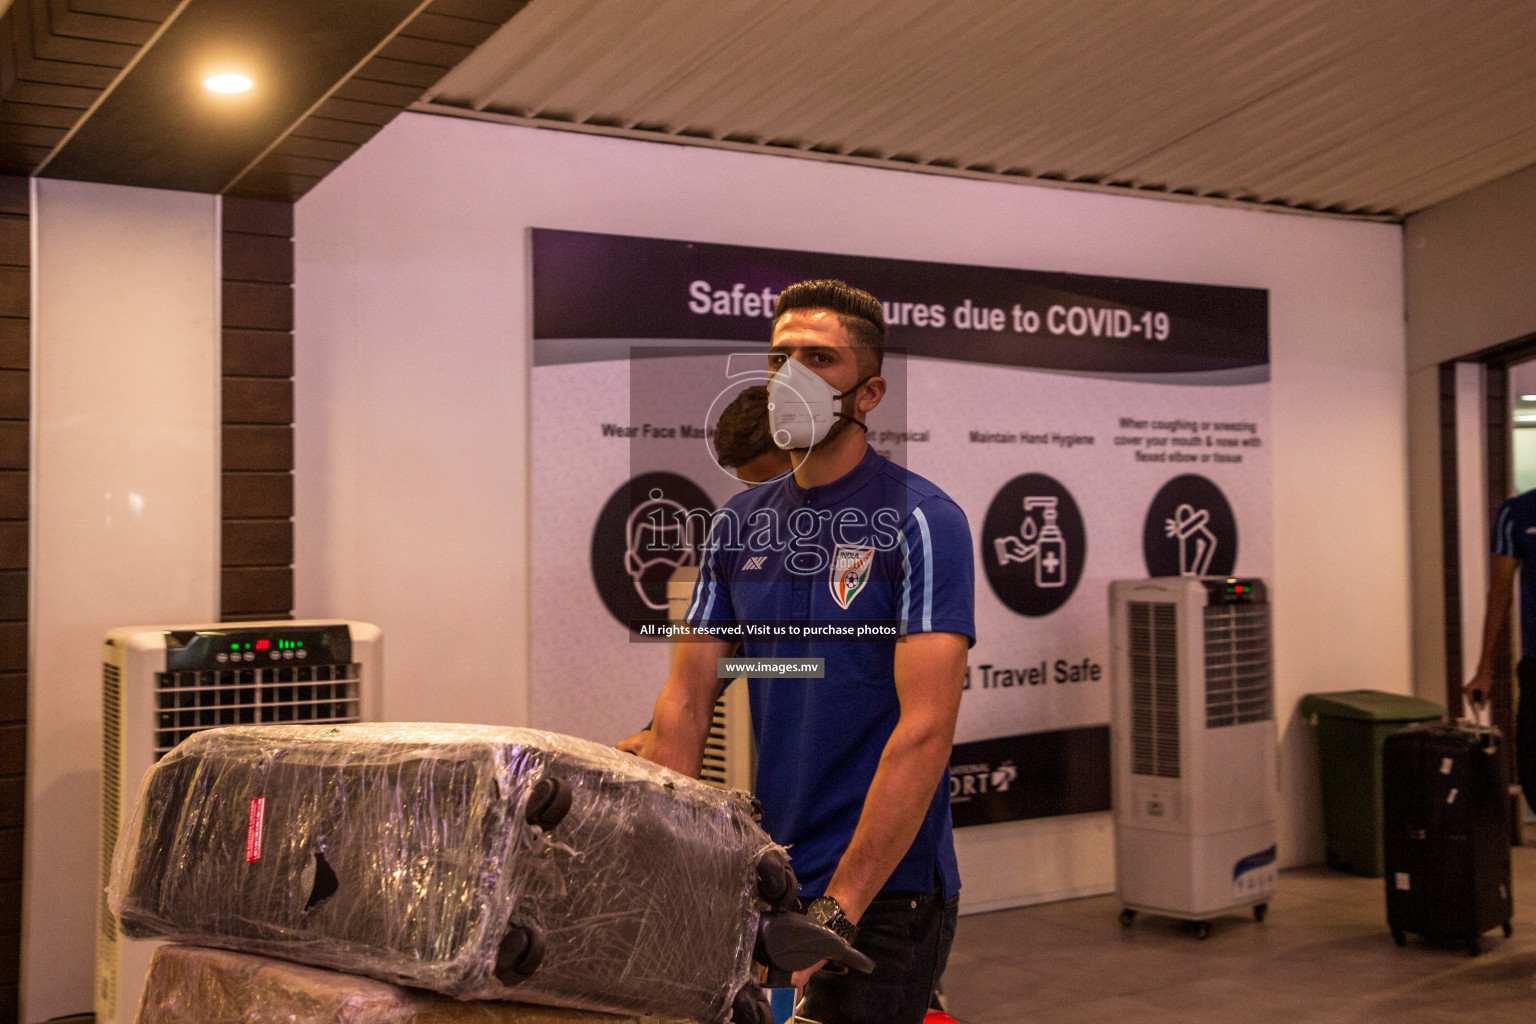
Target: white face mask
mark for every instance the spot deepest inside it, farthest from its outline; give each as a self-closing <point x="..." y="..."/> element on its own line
<point x="803" y="408"/>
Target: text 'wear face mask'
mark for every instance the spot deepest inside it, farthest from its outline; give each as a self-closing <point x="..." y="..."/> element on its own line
<point x="803" y="408"/>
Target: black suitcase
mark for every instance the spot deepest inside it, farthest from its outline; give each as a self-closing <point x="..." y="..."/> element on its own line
<point x="1445" y="816"/>
<point x="481" y="862"/>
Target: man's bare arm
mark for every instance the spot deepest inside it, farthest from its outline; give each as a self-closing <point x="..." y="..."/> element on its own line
<point x="686" y="705"/>
<point x="1501" y="586"/>
<point x="930" y="676"/>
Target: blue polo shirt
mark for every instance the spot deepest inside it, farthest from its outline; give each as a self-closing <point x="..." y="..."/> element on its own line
<point x="880" y="549"/>
<point x="1514" y="535"/>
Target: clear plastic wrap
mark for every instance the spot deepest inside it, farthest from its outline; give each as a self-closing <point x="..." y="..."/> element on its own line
<point x="194" y="985"/>
<point x="480" y="862"/>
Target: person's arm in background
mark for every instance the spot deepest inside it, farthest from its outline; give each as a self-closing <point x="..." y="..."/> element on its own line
<point x="1501" y="588"/>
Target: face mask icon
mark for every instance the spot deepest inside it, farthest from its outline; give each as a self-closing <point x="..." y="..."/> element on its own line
<point x="1197" y="543"/>
<point x="803" y="408"/>
<point x="1040" y="542"/>
<point x="656" y="541"/>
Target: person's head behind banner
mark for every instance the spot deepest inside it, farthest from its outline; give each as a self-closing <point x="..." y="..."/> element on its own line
<point x="743" y="441"/>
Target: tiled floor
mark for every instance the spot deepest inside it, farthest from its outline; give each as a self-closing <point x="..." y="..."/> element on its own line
<point x="1322" y="955"/>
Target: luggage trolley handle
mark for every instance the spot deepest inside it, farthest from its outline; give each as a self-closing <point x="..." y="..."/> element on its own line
<point x="788" y="942"/>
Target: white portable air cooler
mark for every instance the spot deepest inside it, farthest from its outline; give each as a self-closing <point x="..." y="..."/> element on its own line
<point x="161" y="684"/>
<point x="1193" y="745"/>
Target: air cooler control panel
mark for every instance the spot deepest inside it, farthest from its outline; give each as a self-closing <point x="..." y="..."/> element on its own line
<point x="210" y="649"/>
<point x="1226" y="590"/>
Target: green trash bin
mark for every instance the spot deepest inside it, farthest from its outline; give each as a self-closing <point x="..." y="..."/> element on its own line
<point x="1351" y="726"/>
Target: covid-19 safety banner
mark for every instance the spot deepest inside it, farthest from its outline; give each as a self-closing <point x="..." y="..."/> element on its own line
<point x="1091" y="429"/>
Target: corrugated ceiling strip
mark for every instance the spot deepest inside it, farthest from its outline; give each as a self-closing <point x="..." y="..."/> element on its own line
<point x="1302" y="101"/>
<point x="1427" y="119"/>
<point x="1468" y="171"/>
<point x="1264" y="144"/>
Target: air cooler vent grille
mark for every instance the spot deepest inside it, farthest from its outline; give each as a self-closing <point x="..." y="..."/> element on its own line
<point x="1238" y="687"/>
<point x="189" y="702"/>
<point x="1154" y="658"/>
<point x="111" y="787"/>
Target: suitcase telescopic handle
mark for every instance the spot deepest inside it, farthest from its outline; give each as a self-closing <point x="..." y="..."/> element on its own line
<point x="788" y="942"/>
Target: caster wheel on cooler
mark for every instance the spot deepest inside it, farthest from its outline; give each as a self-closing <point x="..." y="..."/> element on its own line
<point x="1509" y="929"/>
<point x="1260" y="910"/>
<point x="1202" y="930"/>
<point x="1399" y="936"/>
<point x="1127" y="916"/>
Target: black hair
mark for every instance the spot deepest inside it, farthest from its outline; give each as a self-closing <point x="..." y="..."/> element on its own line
<point x="858" y="311"/>
<point x="741" y="434"/>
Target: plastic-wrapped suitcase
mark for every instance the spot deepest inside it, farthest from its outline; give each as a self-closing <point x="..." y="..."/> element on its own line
<point x="481" y="862"/>
<point x="1445" y="814"/>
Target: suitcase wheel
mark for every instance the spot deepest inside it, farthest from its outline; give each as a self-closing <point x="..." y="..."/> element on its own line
<point x="1127" y="916"/>
<point x="520" y="953"/>
<point x="749" y="1007"/>
<point x="548" y="802"/>
<point x="1509" y="929"/>
<point x="1202" y="930"/>
<point x="1399" y="936"/>
<point x="776" y="883"/>
<point x="1259" y="910"/>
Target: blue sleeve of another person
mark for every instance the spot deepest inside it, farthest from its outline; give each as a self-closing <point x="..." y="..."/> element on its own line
<point x="1504" y="531"/>
<point x="938" y="570"/>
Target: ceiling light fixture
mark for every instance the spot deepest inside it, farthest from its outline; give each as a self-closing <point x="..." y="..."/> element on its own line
<point x="1528" y="398"/>
<point x="228" y="83"/>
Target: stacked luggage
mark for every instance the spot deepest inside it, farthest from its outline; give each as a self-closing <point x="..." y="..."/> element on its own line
<point x="1446" y="807"/>
<point x="477" y="862"/>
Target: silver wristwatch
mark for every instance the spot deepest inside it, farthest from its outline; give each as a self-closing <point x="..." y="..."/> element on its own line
<point x="827" y="912"/>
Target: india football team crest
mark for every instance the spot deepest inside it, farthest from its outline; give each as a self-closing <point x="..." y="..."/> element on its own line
<point x="850" y="572"/>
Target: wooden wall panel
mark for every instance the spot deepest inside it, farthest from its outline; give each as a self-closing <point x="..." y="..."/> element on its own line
<point x="56" y="59"/>
<point x="257" y="533"/>
<point x="15" y="511"/>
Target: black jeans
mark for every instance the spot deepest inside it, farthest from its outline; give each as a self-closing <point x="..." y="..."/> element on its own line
<point x="907" y="935"/>
<point x="1525" y="729"/>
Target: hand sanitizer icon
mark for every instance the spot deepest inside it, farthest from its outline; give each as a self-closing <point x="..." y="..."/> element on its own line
<point x="1050" y="547"/>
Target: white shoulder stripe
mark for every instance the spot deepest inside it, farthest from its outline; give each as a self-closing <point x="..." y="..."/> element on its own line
<point x="906" y="582"/>
<point x="922" y="526"/>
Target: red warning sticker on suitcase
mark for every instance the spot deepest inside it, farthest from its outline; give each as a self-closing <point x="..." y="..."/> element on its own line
<point x="253" y="825"/>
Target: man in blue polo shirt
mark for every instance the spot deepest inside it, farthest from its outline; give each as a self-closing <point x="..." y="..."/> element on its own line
<point x="1514" y="547"/>
<point x="853" y="560"/>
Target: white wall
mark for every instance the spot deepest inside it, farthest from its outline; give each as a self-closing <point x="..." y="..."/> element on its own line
<point x="412" y="358"/>
<point x="1468" y="264"/>
<point x="125" y="512"/>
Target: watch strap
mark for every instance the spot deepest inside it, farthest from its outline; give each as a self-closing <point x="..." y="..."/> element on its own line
<point x="827" y="912"/>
